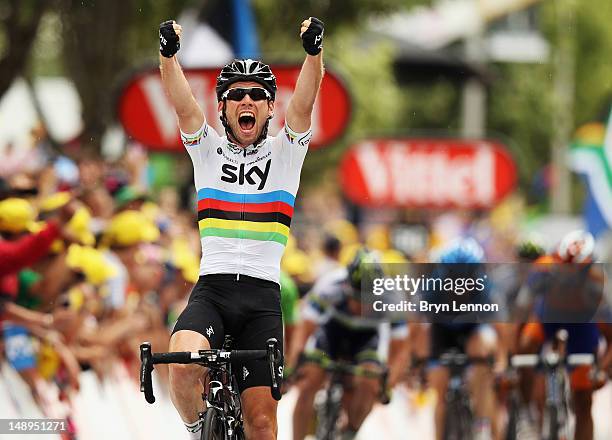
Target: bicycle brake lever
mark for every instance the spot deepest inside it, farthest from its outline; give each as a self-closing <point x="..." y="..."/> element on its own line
<point x="146" y="368"/>
<point x="384" y="392"/>
<point x="272" y="344"/>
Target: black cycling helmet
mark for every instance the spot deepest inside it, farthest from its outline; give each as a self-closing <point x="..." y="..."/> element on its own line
<point x="529" y="250"/>
<point x="366" y="265"/>
<point x="246" y="70"/>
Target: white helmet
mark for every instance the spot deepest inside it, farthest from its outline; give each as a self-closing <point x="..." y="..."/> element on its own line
<point x="576" y="247"/>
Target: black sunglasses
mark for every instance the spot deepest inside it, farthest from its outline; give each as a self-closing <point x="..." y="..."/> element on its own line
<point x="238" y="94"/>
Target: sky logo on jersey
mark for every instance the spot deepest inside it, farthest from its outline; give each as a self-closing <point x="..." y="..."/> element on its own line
<point x="262" y="217"/>
<point x="233" y="174"/>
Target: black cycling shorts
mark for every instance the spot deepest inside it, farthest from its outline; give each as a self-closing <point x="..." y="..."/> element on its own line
<point x="247" y="308"/>
<point x="446" y="338"/>
<point x="341" y="343"/>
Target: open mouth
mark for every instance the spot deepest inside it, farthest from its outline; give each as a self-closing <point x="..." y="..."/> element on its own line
<point x="246" y="120"/>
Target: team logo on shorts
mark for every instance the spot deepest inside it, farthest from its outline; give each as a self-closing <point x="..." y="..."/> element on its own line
<point x="245" y="373"/>
<point x="210" y="331"/>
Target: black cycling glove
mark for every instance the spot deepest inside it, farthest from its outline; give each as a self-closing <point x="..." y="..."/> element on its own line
<point x="312" y="38"/>
<point x="169" y="43"/>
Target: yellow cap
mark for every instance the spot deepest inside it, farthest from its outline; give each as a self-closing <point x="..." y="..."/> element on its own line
<point x="378" y="238"/>
<point x="392" y="256"/>
<point x="296" y="262"/>
<point x="16" y="215"/>
<point x="55" y="201"/>
<point x="76" y="298"/>
<point x="344" y="230"/>
<point x="90" y="262"/>
<point x="191" y="272"/>
<point x="291" y="243"/>
<point x="129" y="228"/>
<point x="150" y="210"/>
<point x="185" y="260"/>
<point x="347" y="253"/>
<point x="79" y="226"/>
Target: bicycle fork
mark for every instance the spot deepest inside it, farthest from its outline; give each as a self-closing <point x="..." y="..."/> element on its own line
<point x="555" y="426"/>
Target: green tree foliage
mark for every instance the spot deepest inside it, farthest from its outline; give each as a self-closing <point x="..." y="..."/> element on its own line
<point x="94" y="43"/>
<point x="593" y="65"/>
<point x="19" y="20"/>
<point x="520" y="114"/>
<point x="279" y="21"/>
<point x="376" y="109"/>
<point x="520" y="97"/>
<point x="99" y="41"/>
<point x="366" y="66"/>
<point x="102" y="39"/>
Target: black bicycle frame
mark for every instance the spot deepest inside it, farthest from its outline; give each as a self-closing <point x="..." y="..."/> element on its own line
<point x="222" y="393"/>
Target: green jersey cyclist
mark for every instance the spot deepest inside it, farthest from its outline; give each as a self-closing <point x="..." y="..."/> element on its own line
<point x="246" y="182"/>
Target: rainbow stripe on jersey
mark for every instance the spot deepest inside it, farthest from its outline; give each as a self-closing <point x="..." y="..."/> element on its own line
<point x="263" y="217"/>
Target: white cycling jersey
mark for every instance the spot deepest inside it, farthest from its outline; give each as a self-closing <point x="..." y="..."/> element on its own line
<point x="245" y="199"/>
<point x="328" y="301"/>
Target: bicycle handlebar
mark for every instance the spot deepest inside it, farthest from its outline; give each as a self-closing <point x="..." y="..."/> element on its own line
<point x="452" y="359"/>
<point x="551" y="360"/>
<point x="179" y="357"/>
<point x="461" y="360"/>
<point x="206" y="358"/>
<point x="342" y="367"/>
<point x="346" y="368"/>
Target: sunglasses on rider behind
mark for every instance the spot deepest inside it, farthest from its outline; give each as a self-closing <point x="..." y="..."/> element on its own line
<point x="238" y="93"/>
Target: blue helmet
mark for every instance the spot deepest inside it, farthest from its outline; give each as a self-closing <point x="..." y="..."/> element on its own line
<point x="462" y="250"/>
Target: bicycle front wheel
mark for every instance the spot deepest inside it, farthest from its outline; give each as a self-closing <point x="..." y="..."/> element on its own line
<point x="459" y="419"/>
<point x="212" y="428"/>
<point x="327" y="417"/>
<point x="513" y="418"/>
<point x="552" y="423"/>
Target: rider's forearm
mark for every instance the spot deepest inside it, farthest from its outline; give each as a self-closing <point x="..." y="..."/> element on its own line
<point x="504" y="332"/>
<point x="606" y="359"/>
<point x="300" y="336"/>
<point x="117" y="331"/>
<point x="399" y="354"/>
<point x="307" y="87"/>
<point x="26" y="317"/>
<point x="180" y="95"/>
<point x="289" y="332"/>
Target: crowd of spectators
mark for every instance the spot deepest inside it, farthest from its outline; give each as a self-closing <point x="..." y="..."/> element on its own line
<point x="93" y="261"/>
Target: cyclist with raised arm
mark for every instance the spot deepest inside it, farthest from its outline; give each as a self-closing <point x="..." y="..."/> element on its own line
<point x="565" y="291"/>
<point x="333" y="316"/>
<point x="246" y="182"/>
